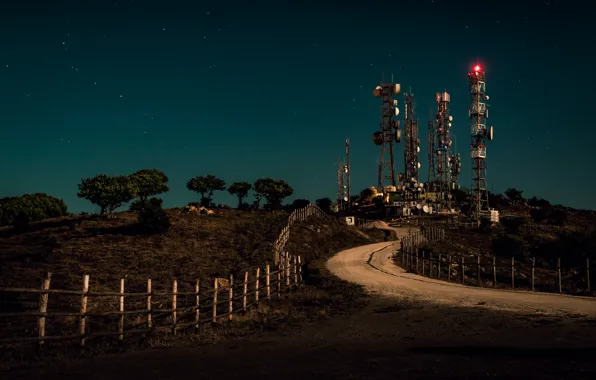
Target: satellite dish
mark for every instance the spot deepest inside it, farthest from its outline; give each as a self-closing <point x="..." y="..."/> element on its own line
<point x="425" y="209"/>
<point x="396" y="111"/>
<point x="418" y="149"/>
<point x="490" y="133"/>
<point x="395" y="102"/>
<point x="345" y="199"/>
<point x="396" y="88"/>
<point x="377" y="138"/>
<point x="419" y="165"/>
<point x="398" y="134"/>
<point x="449" y="124"/>
<point x="450" y="118"/>
<point x="378" y="91"/>
<point x="419" y="206"/>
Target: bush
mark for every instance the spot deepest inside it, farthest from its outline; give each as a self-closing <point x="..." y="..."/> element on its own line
<point x="20" y="211"/>
<point x="513" y="224"/>
<point x="153" y="218"/>
<point x="508" y="246"/>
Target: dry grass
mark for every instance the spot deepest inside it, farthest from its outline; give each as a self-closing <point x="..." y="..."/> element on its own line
<point x="196" y="247"/>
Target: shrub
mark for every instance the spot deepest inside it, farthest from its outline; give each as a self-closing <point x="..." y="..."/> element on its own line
<point x="152" y="217"/>
<point x="20" y="211"/>
<point x="512" y="224"/>
<point x="508" y="246"/>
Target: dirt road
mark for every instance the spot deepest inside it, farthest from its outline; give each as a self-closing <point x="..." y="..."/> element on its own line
<point x="417" y="329"/>
<point x="373" y="267"/>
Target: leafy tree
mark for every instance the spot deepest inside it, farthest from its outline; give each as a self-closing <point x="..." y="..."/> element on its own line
<point x="240" y="189"/>
<point x="298" y="203"/>
<point x="206" y="185"/>
<point x="540" y="214"/>
<point x="512" y="225"/>
<point x="273" y="190"/>
<point x="537" y="202"/>
<point x="366" y="195"/>
<point x="20" y="211"/>
<point x="325" y="204"/>
<point x="353" y="199"/>
<point x="514" y="194"/>
<point x="149" y="182"/>
<point x="107" y="192"/>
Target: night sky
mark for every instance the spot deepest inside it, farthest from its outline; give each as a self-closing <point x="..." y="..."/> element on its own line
<point x="272" y="88"/>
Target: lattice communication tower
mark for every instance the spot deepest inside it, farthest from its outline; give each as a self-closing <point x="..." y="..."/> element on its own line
<point x="344" y="180"/>
<point x="443" y="150"/>
<point x="389" y="132"/>
<point x="411" y="150"/>
<point x="481" y="133"/>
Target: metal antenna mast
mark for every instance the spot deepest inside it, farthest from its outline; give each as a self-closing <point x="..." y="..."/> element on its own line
<point x="389" y="132"/>
<point x="348" y="174"/>
<point x="411" y="149"/>
<point x="432" y="148"/>
<point x="478" y="114"/>
<point x="443" y="149"/>
<point x="340" y="185"/>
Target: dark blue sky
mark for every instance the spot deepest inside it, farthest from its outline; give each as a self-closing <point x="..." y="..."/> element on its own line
<point x="249" y="89"/>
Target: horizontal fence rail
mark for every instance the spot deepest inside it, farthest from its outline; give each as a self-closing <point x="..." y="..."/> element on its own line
<point x="217" y="301"/>
<point x="475" y="269"/>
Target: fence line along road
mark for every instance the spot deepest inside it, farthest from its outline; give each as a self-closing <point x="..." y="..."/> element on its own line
<point x="222" y="299"/>
<point x="416" y="259"/>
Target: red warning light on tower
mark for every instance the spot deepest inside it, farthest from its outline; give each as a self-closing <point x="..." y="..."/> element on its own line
<point x="477" y="68"/>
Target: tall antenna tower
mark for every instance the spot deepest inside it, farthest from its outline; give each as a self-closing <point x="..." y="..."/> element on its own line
<point x="389" y="132"/>
<point x="443" y="150"/>
<point x="455" y="166"/>
<point x="478" y="114"/>
<point x="340" y="185"/>
<point x="432" y="148"/>
<point x="411" y="149"/>
<point x="348" y="175"/>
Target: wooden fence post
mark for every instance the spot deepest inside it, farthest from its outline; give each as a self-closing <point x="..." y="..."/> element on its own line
<point x="449" y="269"/>
<point x="430" y="264"/>
<point x="215" y="301"/>
<point x="287" y="262"/>
<point x="417" y="266"/>
<point x="197" y="306"/>
<point x="478" y="270"/>
<point x="174" y="305"/>
<point x="588" y="272"/>
<point x="149" y="321"/>
<point x="231" y="298"/>
<point x="533" y="267"/>
<point x="559" y="274"/>
<point x="279" y="280"/>
<point x="83" y="316"/>
<point x="494" y="271"/>
<point x="268" y="282"/>
<point x="295" y="270"/>
<point x="257" y="286"/>
<point x="513" y="273"/>
<point x="121" y="310"/>
<point x="43" y="307"/>
<point x="463" y="271"/>
<point x="245" y="293"/>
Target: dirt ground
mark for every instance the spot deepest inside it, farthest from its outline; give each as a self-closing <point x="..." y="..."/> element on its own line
<point x="409" y="327"/>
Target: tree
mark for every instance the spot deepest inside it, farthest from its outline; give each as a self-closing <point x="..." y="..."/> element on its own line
<point x="514" y="194"/>
<point x="273" y="190"/>
<point x="324" y="204"/>
<point x="20" y="211"/>
<point x="367" y="194"/>
<point x="147" y="183"/>
<point x="537" y="202"/>
<point x="298" y="203"/>
<point x="206" y="185"/>
<point x="152" y="217"/>
<point x="240" y="189"/>
<point x="107" y="192"/>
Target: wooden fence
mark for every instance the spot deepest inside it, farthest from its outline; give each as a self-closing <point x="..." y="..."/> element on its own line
<point x="219" y="300"/>
<point x="206" y="306"/>
<point x="297" y="215"/>
<point x="445" y="267"/>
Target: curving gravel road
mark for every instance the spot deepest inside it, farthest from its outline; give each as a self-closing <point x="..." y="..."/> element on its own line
<point x="373" y="267"/>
